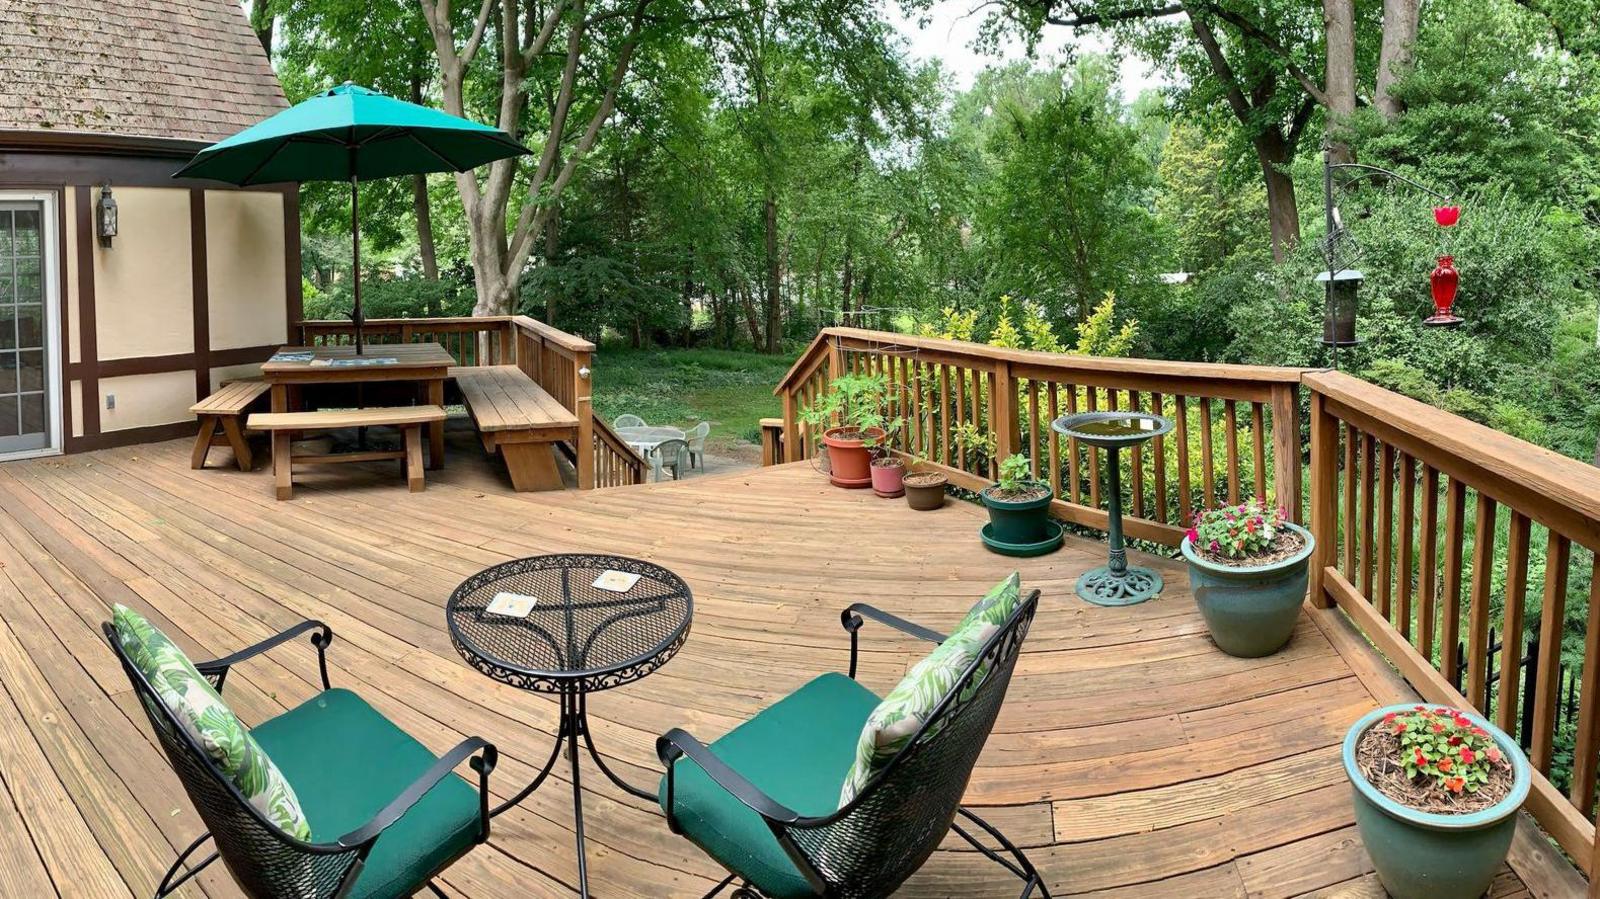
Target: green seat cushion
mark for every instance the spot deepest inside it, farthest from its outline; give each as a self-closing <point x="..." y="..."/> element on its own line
<point x="797" y="752"/>
<point x="347" y="762"/>
<point x="200" y="711"/>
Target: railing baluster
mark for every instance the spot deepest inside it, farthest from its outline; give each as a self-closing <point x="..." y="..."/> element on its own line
<point x="1180" y="416"/>
<point x="1094" y="455"/>
<point x="1588" y="738"/>
<point x="944" y="414"/>
<point x="1074" y="472"/>
<point x="1231" y="418"/>
<point x="1450" y="606"/>
<point x="1033" y="430"/>
<point x="1053" y="410"/>
<point x="1511" y="628"/>
<point x="1478" y="612"/>
<point x="1552" y="620"/>
<point x="1407" y="537"/>
<point x="1386" y="530"/>
<point x="1352" y="440"/>
<point x="1208" y="462"/>
<point x="1136" y="482"/>
<point x="1369" y="486"/>
<point x="1158" y="405"/>
<point x="1427" y="576"/>
<point x="1258" y="451"/>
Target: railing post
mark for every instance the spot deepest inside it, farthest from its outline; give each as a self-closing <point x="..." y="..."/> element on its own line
<point x="1286" y="463"/>
<point x="793" y="449"/>
<point x="771" y="441"/>
<point x="1324" y="483"/>
<point x="582" y="408"/>
<point x="1003" y="411"/>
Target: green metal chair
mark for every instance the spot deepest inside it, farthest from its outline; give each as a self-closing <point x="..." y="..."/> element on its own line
<point x="762" y="799"/>
<point x="386" y="815"/>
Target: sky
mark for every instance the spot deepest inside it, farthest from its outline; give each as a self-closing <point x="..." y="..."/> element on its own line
<point x="952" y="29"/>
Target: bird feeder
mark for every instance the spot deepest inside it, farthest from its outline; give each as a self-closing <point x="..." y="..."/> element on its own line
<point x="1339" y="315"/>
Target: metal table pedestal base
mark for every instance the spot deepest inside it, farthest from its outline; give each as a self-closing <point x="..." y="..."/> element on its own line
<point x="574" y="726"/>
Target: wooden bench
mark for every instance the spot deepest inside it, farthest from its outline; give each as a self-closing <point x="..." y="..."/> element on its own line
<point x="225" y="408"/>
<point x="409" y="419"/>
<point x="518" y="418"/>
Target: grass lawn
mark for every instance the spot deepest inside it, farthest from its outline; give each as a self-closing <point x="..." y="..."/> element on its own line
<point x="729" y="388"/>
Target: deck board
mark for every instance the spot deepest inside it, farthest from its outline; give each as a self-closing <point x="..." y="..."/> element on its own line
<point x="1131" y="758"/>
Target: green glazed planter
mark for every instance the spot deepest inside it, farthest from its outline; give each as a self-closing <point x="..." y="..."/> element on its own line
<point x="1425" y="855"/>
<point x="1251" y="612"/>
<point x="1015" y="523"/>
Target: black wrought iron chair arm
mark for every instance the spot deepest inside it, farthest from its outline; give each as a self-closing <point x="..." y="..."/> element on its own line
<point x="677" y="743"/>
<point x="484" y="758"/>
<point x="852" y="617"/>
<point x="218" y="668"/>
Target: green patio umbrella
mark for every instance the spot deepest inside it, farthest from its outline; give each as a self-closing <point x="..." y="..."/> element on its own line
<point x="350" y="133"/>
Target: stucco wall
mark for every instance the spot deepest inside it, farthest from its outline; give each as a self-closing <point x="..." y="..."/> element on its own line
<point x="143" y="283"/>
<point x="144" y="400"/>
<point x="245" y="269"/>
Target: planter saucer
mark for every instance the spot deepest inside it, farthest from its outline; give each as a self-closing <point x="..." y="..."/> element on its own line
<point x="1048" y="544"/>
<point x="850" y="484"/>
<point x="895" y="495"/>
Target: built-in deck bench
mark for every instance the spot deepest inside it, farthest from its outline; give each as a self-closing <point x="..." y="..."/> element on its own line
<point x="282" y="425"/>
<point x="518" y="418"/>
<point x="225" y="409"/>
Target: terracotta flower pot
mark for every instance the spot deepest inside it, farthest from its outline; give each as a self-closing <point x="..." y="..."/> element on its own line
<point x="886" y="477"/>
<point x="849" y="458"/>
<point x="925" y="490"/>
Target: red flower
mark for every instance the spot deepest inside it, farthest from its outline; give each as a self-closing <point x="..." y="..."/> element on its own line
<point x="1421" y="759"/>
<point x="1454" y="741"/>
<point x="1455" y="784"/>
<point x="1399" y="727"/>
<point x="1194" y="536"/>
<point x="1446" y="215"/>
<point x="1463" y="721"/>
<point x="1467" y="756"/>
<point x="1420" y="708"/>
<point x="1437" y="727"/>
<point x="1445" y="764"/>
<point x="1391" y="716"/>
<point x="1493" y="754"/>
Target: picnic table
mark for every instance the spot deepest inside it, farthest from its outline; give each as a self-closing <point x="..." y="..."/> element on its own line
<point x="426" y="364"/>
<point x="645" y="439"/>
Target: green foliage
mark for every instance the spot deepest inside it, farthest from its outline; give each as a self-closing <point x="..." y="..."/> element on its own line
<point x="858" y="403"/>
<point x="1015" y="475"/>
<point x="1099" y="336"/>
<point x="732" y="389"/>
<point x="1241" y="531"/>
<point x="1443" y="744"/>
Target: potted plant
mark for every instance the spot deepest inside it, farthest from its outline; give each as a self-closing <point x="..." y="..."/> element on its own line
<point x="1019" y="507"/>
<point x="888" y="476"/>
<point x="925" y="490"/>
<point x="851" y="410"/>
<point x="1247" y="567"/>
<point x="1437" y="791"/>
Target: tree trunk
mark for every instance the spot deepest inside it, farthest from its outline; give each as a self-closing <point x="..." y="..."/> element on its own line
<point x="1339" y="21"/>
<point x="774" y="295"/>
<point x="419" y="204"/>
<point x="751" y="319"/>
<point x="1394" y="53"/>
<point x="1282" y="214"/>
<point x="846" y="284"/>
<point x="262" y="21"/>
<point x="688" y="297"/>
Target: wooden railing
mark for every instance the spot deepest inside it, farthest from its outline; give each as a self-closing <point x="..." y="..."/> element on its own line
<point x="616" y="464"/>
<point x="1237" y="434"/>
<point x="555" y="360"/>
<point x="1420" y="581"/>
<point x="1425" y="522"/>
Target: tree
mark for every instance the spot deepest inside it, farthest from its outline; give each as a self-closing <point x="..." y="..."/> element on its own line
<point x="600" y="43"/>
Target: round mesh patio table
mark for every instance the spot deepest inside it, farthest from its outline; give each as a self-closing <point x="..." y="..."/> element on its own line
<point x="578" y="638"/>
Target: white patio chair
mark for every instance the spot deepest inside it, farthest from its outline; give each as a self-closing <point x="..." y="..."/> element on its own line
<point x="697" y="444"/>
<point x="628" y="421"/>
<point x="673" y="454"/>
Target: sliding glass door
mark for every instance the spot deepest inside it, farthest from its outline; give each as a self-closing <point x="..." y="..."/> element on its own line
<point x="28" y="384"/>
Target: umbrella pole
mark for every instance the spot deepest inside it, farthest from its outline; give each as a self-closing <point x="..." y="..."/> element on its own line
<point x="355" y="257"/>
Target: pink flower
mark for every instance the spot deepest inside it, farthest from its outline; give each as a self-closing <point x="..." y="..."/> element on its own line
<point x="1193" y="535"/>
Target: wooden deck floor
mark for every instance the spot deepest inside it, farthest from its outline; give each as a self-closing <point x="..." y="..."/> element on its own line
<point x="1132" y="758"/>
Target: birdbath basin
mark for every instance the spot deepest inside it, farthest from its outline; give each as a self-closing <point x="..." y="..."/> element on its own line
<point x="1116" y="583"/>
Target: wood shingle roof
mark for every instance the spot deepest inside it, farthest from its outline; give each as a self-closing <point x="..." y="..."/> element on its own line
<point x="171" y="69"/>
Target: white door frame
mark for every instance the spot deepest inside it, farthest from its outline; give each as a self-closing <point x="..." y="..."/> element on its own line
<point x="50" y="265"/>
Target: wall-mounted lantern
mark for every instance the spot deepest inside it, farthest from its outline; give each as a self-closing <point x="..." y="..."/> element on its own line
<point x="106" y="216"/>
<point x="1339" y="314"/>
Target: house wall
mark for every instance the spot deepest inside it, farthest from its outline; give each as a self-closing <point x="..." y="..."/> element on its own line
<point x="201" y="284"/>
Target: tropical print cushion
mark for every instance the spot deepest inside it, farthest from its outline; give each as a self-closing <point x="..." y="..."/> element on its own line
<point x="201" y="712"/>
<point x="997" y="605"/>
<point x="895" y="721"/>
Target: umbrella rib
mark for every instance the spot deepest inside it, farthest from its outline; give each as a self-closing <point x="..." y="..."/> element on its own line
<point x="435" y="153"/>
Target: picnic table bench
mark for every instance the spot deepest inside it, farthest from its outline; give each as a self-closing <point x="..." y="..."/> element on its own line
<point x="409" y="419"/>
<point x="225" y="408"/>
<point x="519" y="419"/>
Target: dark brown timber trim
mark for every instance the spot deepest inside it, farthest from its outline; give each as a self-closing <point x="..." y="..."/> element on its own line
<point x="155" y="365"/>
<point x="202" y="301"/>
<point x="88" y="342"/>
<point x="294" y="299"/>
<point x="131" y="436"/>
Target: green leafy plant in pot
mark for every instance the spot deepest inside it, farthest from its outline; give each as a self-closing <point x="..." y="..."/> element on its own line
<point x="1437" y="791"/>
<point x="856" y="429"/>
<point x="1019" y="506"/>
<point x="1247" y="567"/>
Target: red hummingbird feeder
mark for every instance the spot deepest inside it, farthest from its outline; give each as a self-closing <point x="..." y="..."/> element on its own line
<point x="1444" y="280"/>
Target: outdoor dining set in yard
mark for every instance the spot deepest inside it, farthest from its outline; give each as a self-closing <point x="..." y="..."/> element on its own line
<point x="663" y="446"/>
<point x="810" y="797"/>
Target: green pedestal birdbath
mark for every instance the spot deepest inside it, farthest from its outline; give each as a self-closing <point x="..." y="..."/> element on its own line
<point x="1116" y="583"/>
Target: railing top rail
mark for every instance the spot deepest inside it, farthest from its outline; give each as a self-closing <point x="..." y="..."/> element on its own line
<point x="388" y="322"/>
<point x="1066" y="362"/>
<point x="560" y="338"/>
<point x="1544" y="485"/>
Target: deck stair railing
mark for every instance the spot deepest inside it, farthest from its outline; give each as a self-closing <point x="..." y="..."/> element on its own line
<point x="557" y="361"/>
<point x="1429" y="527"/>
